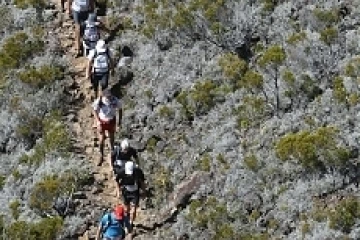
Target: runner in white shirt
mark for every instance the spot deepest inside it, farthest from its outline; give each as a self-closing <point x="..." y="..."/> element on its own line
<point x="105" y="109"/>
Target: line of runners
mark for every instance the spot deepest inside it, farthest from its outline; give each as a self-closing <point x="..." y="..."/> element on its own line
<point x="107" y="111"/>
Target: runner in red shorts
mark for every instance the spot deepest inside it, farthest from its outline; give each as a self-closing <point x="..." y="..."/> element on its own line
<point x="105" y="108"/>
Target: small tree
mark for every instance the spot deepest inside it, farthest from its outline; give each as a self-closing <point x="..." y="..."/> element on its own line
<point x="271" y="61"/>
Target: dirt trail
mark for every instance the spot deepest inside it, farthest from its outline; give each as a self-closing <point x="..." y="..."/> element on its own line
<point x="84" y="135"/>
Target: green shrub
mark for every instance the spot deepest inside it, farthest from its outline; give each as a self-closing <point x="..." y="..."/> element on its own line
<point x="166" y="112"/>
<point x="296" y="38"/>
<point x="329" y="35"/>
<point x="14" y="207"/>
<point x="23" y="4"/>
<point x="327" y="16"/>
<point x="251" y="162"/>
<point x="2" y="181"/>
<point x="47" y="228"/>
<point x="312" y="149"/>
<point x="273" y="56"/>
<point x="221" y="159"/>
<point x="17" y="49"/>
<point x="40" y="77"/>
<point x="55" y="139"/>
<point x="251" y="80"/>
<point x="345" y="214"/>
<point x="44" y="192"/>
<point x="251" y="112"/>
<point x="232" y="66"/>
<point x="201" y="98"/>
<point x="211" y="214"/>
<point x="204" y="163"/>
<point x="339" y="90"/>
<point x="16" y="174"/>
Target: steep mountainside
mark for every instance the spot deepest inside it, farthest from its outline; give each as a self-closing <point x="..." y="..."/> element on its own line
<point x="245" y="114"/>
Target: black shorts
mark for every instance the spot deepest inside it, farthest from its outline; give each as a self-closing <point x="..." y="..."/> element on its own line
<point x="101" y="79"/>
<point x="131" y="197"/>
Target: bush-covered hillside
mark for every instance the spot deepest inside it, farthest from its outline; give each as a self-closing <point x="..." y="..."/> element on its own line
<point x="261" y="97"/>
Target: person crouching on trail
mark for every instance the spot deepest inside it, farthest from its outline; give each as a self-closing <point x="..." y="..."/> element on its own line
<point x="105" y="108"/>
<point x="112" y="225"/>
<point x="99" y="65"/>
<point x="80" y="9"/>
<point x="121" y="155"/>
<point x="129" y="182"/>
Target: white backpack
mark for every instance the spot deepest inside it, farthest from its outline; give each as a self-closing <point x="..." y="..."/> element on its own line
<point x="101" y="62"/>
<point x="83" y="5"/>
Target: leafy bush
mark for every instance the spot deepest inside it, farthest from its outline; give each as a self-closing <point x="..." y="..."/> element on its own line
<point x="251" y="112"/>
<point x="312" y="149"/>
<point x="212" y="215"/>
<point x="251" y="162"/>
<point x="232" y="66"/>
<point x="339" y="90"/>
<point x="18" y="48"/>
<point x="296" y="38"/>
<point x="329" y="35"/>
<point x="44" y="192"/>
<point x="30" y="3"/>
<point x="201" y="98"/>
<point x="55" y="139"/>
<point x="251" y="81"/>
<point x="47" y="228"/>
<point x="14" y="207"/>
<point x="273" y="56"/>
<point x="204" y="163"/>
<point x="166" y="112"/>
<point x="328" y="17"/>
<point x="42" y="76"/>
<point x="344" y="216"/>
<point x="2" y="181"/>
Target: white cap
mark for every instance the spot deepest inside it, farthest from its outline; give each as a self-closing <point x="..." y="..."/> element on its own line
<point x="129" y="168"/>
<point x="100" y="46"/>
<point x="124" y="144"/>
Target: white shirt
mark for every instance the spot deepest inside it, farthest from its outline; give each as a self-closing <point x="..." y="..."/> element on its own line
<point x="106" y="110"/>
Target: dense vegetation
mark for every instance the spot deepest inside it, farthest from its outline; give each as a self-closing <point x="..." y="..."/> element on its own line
<point x="260" y="95"/>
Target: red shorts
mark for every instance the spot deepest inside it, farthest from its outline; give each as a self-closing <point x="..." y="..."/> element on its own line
<point x="108" y="125"/>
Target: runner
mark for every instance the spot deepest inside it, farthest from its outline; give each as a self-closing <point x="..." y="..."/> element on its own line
<point x="105" y="117"/>
<point x="99" y="66"/>
<point x="129" y="182"/>
<point x="80" y="9"/>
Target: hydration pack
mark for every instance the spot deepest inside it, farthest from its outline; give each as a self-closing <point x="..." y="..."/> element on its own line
<point x="91" y="34"/>
<point x="102" y="62"/>
<point x="82" y="4"/>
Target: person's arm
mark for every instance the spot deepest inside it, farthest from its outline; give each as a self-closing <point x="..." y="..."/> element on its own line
<point x="89" y="68"/>
<point x="118" y="184"/>
<point x="69" y="7"/>
<point x="135" y="156"/>
<point x="98" y="233"/>
<point x="92" y="5"/>
<point x="120" y="117"/>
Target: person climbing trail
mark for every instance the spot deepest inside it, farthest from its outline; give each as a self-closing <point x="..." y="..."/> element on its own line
<point x="92" y="28"/>
<point x="79" y="10"/>
<point x="129" y="182"/>
<point x="62" y="4"/>
<point x="121" y="155"/>
<point x="104" y="109"/>
<point x="112" y="225"/>
<point x="100" y="63"/>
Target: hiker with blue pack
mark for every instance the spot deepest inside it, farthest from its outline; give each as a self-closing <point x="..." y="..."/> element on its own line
<point x="112" y="225"/>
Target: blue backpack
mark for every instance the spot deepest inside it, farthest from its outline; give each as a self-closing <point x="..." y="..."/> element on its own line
<point x="113" y="222"/>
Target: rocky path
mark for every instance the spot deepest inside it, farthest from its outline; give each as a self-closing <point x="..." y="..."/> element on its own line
<point x="84" y="136"/>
